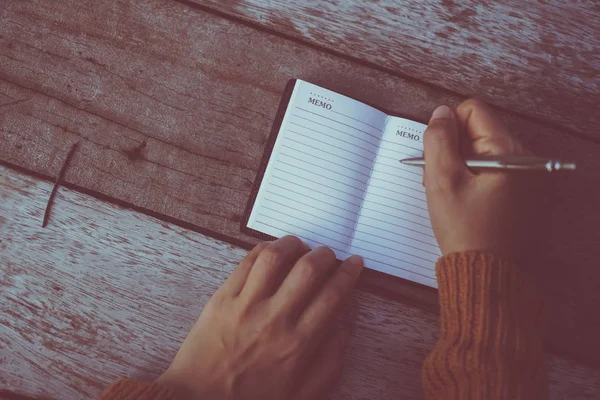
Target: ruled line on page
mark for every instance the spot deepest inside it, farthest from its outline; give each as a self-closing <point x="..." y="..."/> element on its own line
<point x="355" y="145"/>
<point x="325" y="151"/>
<point x="403" y="218"/>
<point x="407" y="170"/>
<point x="396" y="175"/>
<point x="399" y="226"/>
<point x="399" y="184"/>
<point x="329" y="144"/>
<point x="420" y="189"/>
<point x="400" y="144"/>
<point x="400" y="193"/>
<point x="403" y="244"/>
<point x="421" y="202"/>
<point x="380" y="246"/>
<point x="351" y="152"/>
<point x="389" y="258"/>
<point x="366" y="123"/>
<point x="398" y="209"/>
<point x="317" y="191"/>
<point x="337" y="138"/>
<point x="317" y="185"/>
<point x="402" y="226"/>
<point x="395" y="158"/>
<point x="349" y="194"/>
<point x="322" y="159"/>
<point x="380" y="196"/>
<point x="318" y="226"/>
<point x="309" y="205"/>
<point x="322" y="125"/>
<point x="392" y="215"/>
<point x="352" y="213"/>
<point x="321" y="167"/>
<point x="352" y="221"/>
<point x="303" y="237"/>
<point x="296" y="226"/>
<point x="339" y="122"/>
<point x="300" y="236"/>
<point x="304" y="194"/>
<point x="369" y="251"/>
<point x="346" y="176"/>
<point x="397" y="267"/>
<point x="324" y="177"/>
<point x="306" y="213"/>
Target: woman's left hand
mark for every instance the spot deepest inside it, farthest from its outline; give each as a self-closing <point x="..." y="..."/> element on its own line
<point x="270" y="331"/>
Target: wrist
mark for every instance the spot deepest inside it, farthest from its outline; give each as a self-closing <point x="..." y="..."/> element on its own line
<point x="468" y="237"/>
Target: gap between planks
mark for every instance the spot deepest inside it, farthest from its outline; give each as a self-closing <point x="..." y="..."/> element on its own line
<point x="117" y="91"/>
<point x="275" y="22"/>
<point x="85" y="302"/>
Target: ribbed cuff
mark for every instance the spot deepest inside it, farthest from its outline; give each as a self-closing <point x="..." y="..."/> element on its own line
<point x="129" y="389"/>
<point x="480" y="291"/>
<point x="490" y="345"/>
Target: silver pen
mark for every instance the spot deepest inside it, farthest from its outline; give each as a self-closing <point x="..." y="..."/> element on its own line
<point x="508" y="162"/>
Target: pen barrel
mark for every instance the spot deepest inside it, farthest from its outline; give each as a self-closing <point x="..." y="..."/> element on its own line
<point x="507" y="163"/>
<point x="520" y="163"/>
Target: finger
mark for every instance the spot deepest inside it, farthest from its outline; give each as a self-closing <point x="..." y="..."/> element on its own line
<point x="304" y="280"/>
<point x="498" y="145"/>
<point x="325" y="370"/>
<point x="234" y="284"/>
<point x="326" y="304"/>
<point x="488" y="134"/>
<point x="479" y="120"/>
<point x="441" y="144"/>
<point x="272" y="263"/>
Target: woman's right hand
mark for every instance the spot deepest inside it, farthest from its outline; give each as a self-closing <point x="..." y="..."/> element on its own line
<point x="469" y="211"/>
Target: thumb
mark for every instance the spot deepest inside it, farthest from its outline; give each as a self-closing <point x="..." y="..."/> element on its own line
<point x="444" y="164"/>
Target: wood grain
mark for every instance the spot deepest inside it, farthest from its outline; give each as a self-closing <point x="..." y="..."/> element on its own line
<point x="172" y="107"/>
<point x="534" y="57"/>
<point x="105" y="292"/>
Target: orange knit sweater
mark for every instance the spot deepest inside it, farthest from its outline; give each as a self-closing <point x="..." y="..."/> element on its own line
<point x="489" y="348"/>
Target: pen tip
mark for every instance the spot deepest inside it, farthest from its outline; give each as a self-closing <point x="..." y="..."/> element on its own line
<point x="403" y="161"/>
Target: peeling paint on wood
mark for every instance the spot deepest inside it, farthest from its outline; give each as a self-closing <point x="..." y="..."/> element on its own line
<point x="201" y="92"/>
<point x="534" y="57"/>
<point x="104" y="292"/>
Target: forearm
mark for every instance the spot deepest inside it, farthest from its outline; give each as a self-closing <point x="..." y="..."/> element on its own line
<point x="490" y="345"/>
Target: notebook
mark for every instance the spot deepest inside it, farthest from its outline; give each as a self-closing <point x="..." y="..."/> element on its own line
<point x="331" y="176"/>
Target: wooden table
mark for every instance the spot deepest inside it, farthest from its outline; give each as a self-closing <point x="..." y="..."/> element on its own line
<point x="172" y="101"/>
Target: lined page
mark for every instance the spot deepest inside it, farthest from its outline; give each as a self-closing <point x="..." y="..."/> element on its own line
<point x="393" y="232"/>
<point x="318" y="172"/>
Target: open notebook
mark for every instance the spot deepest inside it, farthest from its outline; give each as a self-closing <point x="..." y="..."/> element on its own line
<point x="331" y="176"/>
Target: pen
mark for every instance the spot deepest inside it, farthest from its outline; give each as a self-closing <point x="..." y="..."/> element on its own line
<point x="507" y="162"/>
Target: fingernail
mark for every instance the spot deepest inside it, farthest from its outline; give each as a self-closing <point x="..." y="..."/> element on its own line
<point x="441" y="112"/>
<point x="355" y="260"/>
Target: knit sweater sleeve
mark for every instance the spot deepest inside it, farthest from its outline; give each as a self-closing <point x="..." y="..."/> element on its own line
<point x="490" y="345"/>
<point x="130" y="389"/>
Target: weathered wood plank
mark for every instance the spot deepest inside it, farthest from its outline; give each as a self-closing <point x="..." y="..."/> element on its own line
<point x="105" y="292"/>
<point x="535" y="57"/>
<point x="200" y="92"/>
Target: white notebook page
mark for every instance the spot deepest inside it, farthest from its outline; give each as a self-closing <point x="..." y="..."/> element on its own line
<point x="317" y="175"/>
<point x="393" y="232"/>
<point x="334" y="179"/>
